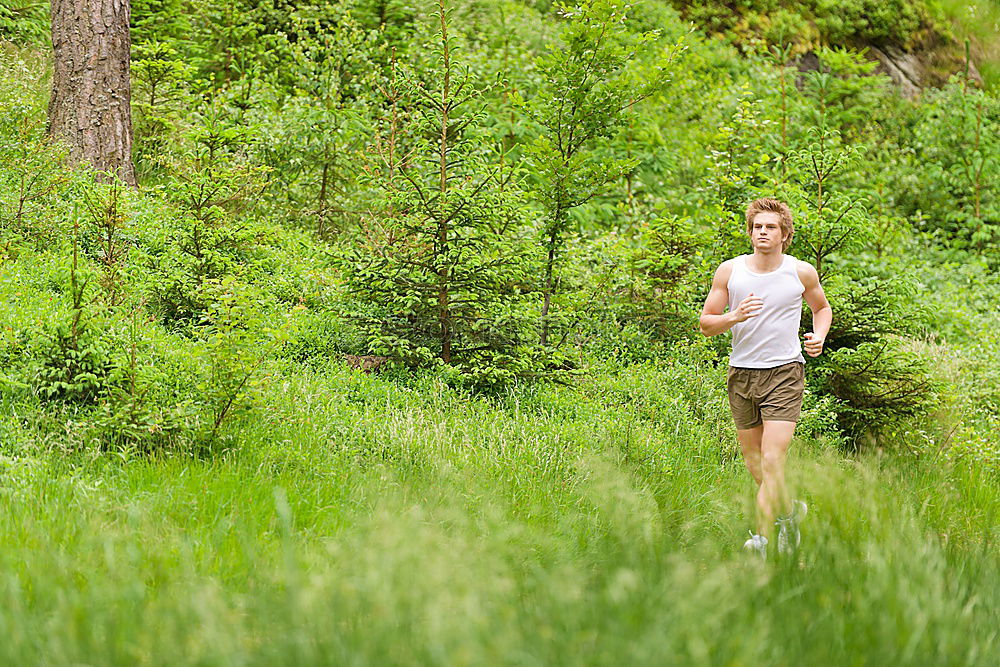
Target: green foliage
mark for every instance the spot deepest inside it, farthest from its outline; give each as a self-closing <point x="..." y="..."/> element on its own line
<point x="73" y="363"/>
<point x="975" y="22"/>
<point x="311" y="141"/>
<point x="237" y="342"/>
<point x="871" y="308"/>
<point x="160" y="90"/>
<point x="828" y="222"/>
<point x="665" y="276"/>
<point x="395" y="20"/>
<point x="105" y="235"/>
<point x="879" y="385"/>
<point x="585" y="98"/>
<point x="162" y="21"/>
<point x="24" y="21"/>
<point x="958" y="140"/>
<point x="739" y="162"/>
<point x="439" y="269"/>
<point x="32" y="175"/>
<point x="877" y="21"/>
<point x="31" y="170"/>
<point x="450" y="528"/>
<point x="210" y="186"/>
<point x="846" y="94"/>
<point x="814" y="22"/>
<point x="879" y="378"/>
<point x="133" y="416"/>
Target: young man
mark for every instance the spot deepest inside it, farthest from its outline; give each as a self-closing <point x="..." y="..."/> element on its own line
<point x="764" y="292"/>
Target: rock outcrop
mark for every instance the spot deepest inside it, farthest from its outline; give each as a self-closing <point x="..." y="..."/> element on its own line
<point x="911" y="71"/>
<point x="905" y="69"/>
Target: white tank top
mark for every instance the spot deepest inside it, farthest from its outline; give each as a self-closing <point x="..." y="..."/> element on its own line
<point x="772" y="338"/>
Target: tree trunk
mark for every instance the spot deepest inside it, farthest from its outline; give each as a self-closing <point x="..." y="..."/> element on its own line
<point x="549" y="287"/>
<point x="444" y="278"/>
<point x="91" y="93"/>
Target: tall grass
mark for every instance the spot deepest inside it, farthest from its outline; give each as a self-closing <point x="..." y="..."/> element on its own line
<point x="364" y="521"/>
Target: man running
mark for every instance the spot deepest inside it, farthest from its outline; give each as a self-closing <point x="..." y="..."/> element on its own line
<point x="764" y="293"/>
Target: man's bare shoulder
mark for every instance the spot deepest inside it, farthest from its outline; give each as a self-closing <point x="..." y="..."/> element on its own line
<point x="726" y="267"/>
<point x="807" y="272"/>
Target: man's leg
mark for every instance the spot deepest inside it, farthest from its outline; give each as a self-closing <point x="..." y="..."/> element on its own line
<point x="772" y="498"/>
<point x="750" y="446"/>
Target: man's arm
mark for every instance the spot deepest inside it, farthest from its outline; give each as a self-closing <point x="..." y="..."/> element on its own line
<point x="822" y="314"/>
<point x="714" y="320"/>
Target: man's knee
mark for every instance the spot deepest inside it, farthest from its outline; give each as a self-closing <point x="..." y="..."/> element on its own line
<point x="772" y="460"/>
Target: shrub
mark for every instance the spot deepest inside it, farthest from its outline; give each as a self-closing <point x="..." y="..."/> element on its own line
<point x="439" y="269"/>
<point x="238" y="339"/>
<point x="587" y="96"/>
<point x="32" y="171"/>
<point x="879" y="385"/>
<point x="211" y="186"/>
<point x="73" y="363"/>
<point x="958" y="139"/>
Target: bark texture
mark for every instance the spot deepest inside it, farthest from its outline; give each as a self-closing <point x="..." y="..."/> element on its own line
<point x="91" y="92"/>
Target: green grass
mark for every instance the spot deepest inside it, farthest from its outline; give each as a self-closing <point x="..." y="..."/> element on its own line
<point x="363" y="521"/>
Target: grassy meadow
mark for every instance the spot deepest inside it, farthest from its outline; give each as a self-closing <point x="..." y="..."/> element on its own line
<point x="367" y="521"/>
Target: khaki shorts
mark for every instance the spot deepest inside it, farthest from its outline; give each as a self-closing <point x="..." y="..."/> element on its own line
<point x="771" y="394"/>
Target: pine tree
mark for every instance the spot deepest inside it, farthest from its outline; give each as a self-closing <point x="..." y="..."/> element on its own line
<point x="438" y="272"/>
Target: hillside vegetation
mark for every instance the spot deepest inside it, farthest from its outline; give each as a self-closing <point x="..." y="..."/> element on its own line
<point x="509" y="214"/>
<point x="934" y="30"/>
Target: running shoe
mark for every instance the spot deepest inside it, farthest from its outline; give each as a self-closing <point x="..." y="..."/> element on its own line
<point x="756" y="544"/>
<point x="788" y="528"/>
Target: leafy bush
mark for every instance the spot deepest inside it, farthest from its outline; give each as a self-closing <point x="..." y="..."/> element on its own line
<point x="137" y="413"/>
<point x="878" y="379"/>
<point x="585" y="98"/>
<point x="32" y="173"/>
<point x="210" y="186"/>
<point x="879" y="385"/>
<point x="238" y="340"/>
<point x="24" y="21"/>
<point x="161" y="89"/>
<point x="73" y="363"/>
<point x="814" y="22"/>
<point x="661" y="276"/>
<point x="870" y="308"/>
<point x="876" y="21"/>
<point x="958" y="140"/>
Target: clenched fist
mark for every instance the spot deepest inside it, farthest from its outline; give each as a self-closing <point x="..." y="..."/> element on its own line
<point x="814" y="345"/>
<point x="749" y="307"/>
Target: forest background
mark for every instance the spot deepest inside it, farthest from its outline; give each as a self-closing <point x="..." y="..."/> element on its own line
<point x="392" y="355"/>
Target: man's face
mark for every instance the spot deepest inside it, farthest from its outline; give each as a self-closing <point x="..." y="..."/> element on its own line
<point x="765" y="231"/>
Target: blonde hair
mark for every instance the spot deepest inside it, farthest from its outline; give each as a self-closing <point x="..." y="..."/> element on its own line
<point x="768" y="205"/>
